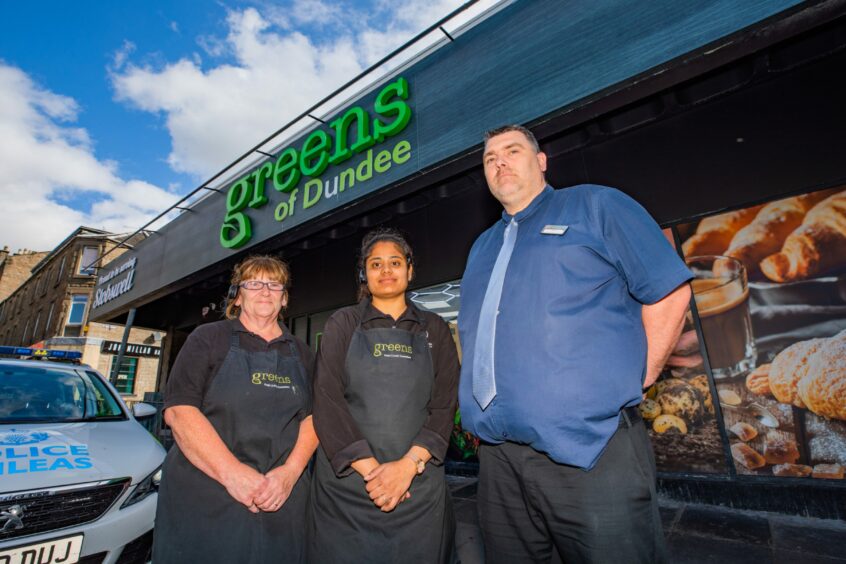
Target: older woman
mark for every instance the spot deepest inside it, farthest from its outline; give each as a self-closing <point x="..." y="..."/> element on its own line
<point x="239" y="402"/>
<point x="385" y="396"/>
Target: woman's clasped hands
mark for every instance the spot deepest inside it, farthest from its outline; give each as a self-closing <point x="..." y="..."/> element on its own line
<point x="388" y="483"/>
<point x="261" y="492"/>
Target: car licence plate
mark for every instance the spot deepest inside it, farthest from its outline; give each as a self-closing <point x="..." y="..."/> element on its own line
<point x="60" y="551"/>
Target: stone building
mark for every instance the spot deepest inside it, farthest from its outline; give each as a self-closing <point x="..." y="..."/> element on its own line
<point x="15" y="268"/>
<point x="50" y="302"/>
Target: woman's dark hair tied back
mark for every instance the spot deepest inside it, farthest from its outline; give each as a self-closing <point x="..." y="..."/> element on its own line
<point x="379" y="235"/>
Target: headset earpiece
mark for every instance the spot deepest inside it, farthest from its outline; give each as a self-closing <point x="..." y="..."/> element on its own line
<point x="362" y="277"/>
<point x="408" y="259"/>
<point x="232" y="293"/>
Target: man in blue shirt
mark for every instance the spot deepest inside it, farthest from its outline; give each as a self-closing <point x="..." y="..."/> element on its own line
<point x="571" y="304"/>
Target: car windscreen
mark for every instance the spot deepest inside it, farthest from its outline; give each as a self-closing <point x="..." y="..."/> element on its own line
<point x="40" y="394"/>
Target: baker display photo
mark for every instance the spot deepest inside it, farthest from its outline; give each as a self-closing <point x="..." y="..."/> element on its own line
<point x="571" y="304"/>
<point x="238" y="399"/>
<point x="770" y="289"/>
<point x="385" y="397"/>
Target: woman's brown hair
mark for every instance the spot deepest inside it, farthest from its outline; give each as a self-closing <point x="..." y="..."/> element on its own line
<point x="275" y="269"/>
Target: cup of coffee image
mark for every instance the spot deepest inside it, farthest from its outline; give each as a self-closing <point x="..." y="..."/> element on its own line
<point x="721" y="293"/>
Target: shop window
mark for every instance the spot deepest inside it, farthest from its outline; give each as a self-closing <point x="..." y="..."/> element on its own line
<point x="316" y="323"/>
<point x="86" y="262"/>
<point x="770" y="301"/>
<point x="299" y="326"/>
<point x="76" y="315"/>
<point x="125" y="383"/>
<point x="445" y="300"/>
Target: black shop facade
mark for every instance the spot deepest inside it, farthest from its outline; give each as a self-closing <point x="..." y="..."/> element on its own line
<point x="723" y="121"/>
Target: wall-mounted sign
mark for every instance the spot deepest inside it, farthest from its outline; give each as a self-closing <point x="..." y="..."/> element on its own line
<point x="109" y="290"/>
<point x="353" y="133"/>
<point x="113" y="347"/>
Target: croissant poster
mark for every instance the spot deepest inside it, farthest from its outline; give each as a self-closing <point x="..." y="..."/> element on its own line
<point x="679" y="410"/>
<point x="770" y="290"/>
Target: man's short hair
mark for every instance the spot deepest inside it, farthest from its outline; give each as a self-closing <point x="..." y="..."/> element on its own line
<point x="513" y="127"/>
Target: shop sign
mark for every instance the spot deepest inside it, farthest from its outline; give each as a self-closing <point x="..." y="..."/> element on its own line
<point x="113" y="347"/>
<point x="355" y="132"/>
<point x="113" y="289"/>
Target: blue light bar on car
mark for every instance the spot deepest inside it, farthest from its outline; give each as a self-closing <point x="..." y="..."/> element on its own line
<point x="41" y="353"/>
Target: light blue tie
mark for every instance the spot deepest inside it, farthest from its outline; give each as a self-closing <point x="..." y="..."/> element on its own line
<point x="484" y="383"/>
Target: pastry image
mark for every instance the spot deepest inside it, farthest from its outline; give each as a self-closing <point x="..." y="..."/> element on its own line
<point x="815" y="247"/>
<point x="744" y="431"/>
<point x="664" y="423"/>
<point x="788" y="367"/>
<point x="826" y="439"/>
<point x="829" y="471"/>
<point x="758" y="381"/>
<point x="714" y="234"/>
<point x="772" y="225"/>
<point x="681" y="399"/>
<point x="778" y="450"/>
<point x="822" y="387"/>
<point x="649" y="409"/>
<point x="747" y="456"/>
<point x="700" y="382"/>
<point x="792" y="470"/>
<point x="729" y="397"/>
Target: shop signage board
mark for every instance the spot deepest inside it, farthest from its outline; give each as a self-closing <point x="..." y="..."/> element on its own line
<point x="114" y="282"/>
<point x="113" y="347"/>
<point x="318" y="172"/>
<point x="527" y="60"/>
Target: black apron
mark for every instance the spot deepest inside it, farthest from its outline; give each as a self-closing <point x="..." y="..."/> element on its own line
<point x="390" y="383"/>
<point x="255" y="409"/>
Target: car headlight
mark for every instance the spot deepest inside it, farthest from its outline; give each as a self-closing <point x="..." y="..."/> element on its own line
<point x="145" y="487"/>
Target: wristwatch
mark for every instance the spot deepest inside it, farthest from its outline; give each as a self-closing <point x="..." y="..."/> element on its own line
<point x="418" y="462"/>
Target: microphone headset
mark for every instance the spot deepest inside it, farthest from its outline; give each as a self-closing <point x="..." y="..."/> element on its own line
<point x="362" y="277"/>
<point x="232" y="293"/>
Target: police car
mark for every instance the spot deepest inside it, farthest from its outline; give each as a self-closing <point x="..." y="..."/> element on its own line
<point x="78" y="474"/>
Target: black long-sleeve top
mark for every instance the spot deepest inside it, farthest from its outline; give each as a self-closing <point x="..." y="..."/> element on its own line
<point x="339" y="435"/>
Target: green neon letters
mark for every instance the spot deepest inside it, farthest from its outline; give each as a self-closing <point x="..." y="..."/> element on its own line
<point x="352" y="133"/>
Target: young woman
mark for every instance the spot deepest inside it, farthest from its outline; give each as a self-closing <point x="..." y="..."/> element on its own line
<point x="385" y="397"/>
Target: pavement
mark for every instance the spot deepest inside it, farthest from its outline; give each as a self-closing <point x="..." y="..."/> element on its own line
<point x="697" y="533"/>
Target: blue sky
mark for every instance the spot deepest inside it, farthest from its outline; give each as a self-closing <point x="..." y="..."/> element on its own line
<point x="109" y="111"/>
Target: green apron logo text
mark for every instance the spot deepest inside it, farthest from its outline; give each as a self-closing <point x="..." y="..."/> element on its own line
<point x="380" y="349"/>
<point x="318" y="151"/>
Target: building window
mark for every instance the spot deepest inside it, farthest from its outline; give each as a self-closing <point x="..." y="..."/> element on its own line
<point x="76" y="315"/>
<point x="49" y="319"/>
<point x="86" y="263"/>
<point x="35" y="327"/>
<point x="125" y="383"/>
<point x="60" y="272"/>
<point x="46" y="281"/>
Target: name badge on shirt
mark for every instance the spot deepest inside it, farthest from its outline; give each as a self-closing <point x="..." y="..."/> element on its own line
<point x="554" y="229"/>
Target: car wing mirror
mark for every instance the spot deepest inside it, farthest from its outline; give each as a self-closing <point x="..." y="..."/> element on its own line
<point x="141" y="410"/>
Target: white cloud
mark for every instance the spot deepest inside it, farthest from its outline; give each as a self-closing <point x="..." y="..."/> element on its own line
<point x="121" y="55"/>
<point x="273" y="72"/>
<point x="47" y="160"/>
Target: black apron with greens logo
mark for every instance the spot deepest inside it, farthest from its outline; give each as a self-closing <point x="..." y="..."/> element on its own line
<point x="390" y="382"/>
<point x="253" y="403"/>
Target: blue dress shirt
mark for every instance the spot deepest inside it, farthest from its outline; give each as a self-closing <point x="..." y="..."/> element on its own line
<point x="570" y="345"/>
